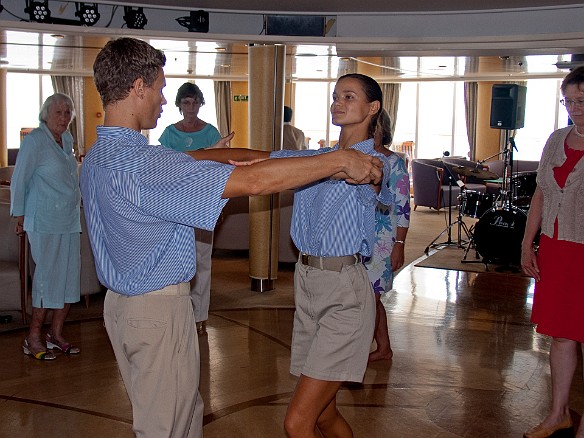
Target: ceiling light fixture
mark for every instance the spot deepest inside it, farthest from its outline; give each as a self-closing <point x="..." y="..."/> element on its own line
<point x="135" y="17"/>
<point x="87" y="13"/>
<point x="197" y="21"/>
<point x="38" y="11"/>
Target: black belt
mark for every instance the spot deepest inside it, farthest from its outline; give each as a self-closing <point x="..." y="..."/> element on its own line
<point x="329" y="263"/>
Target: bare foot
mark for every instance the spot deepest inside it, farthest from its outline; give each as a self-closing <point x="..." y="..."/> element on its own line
<point x="380" y="355"/>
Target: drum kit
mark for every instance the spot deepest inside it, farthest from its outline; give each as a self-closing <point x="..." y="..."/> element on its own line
<point x="502" y="216"/>
<point x="497" y="235"/>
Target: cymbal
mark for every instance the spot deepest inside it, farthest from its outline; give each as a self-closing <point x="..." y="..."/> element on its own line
<point x="477" y="173"/>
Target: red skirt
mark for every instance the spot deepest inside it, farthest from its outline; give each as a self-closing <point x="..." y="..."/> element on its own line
<point x="558" y="302"/>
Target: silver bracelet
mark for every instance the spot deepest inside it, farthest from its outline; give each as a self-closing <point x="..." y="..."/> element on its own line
<point x="403" y="242"/>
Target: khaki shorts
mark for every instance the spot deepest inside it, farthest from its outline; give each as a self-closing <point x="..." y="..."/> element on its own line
<point x="333" y="323"/>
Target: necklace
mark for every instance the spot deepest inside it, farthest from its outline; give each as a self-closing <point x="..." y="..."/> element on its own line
<point x="577" y="132"/>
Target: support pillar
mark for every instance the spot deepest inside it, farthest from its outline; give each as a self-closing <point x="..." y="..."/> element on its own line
<point x="3" y="120"/>
<point x="266" y="106"/>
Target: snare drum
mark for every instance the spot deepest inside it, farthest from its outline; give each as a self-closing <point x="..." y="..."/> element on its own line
<point x="475" y="204"/>
<point x="498" y="235"/>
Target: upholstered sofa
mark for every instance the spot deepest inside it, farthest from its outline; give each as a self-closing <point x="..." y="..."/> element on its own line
<point x="521" y="169"/>
<point x="432" y="180"/>
<point x="232" y="230"/>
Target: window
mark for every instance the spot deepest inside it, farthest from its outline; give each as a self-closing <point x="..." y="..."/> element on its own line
<point x="313" y="118"/>
<point x="25" y="93"/>
<point x="543" y="114"/>
<point x="432" y="115"/>
<point x="407" y="114"/>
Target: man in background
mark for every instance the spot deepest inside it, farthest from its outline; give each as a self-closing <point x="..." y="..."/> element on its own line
<point x="293" y="138"/>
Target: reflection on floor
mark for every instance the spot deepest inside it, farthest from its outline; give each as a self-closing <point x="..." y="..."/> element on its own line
<point x="467" y="363"/>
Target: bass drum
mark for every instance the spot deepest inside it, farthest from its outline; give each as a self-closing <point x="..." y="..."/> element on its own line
<point x="498" y="235"/>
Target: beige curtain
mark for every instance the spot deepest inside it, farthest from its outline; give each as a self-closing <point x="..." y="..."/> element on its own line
<point x="471" y="90"/>
<point x="72" y="86"/>
<point x="223" y="106"/>
<point x="470" y="112"/>
<point x="390" y="102"/>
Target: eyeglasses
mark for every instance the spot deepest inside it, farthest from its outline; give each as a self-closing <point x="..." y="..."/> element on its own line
<point x="569" y="102"/>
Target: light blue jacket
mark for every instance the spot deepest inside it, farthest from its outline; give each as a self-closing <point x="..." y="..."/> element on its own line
<point x="45" y="185"/>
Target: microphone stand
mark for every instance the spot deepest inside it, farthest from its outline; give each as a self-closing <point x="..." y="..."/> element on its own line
<point x="458" y="221"/>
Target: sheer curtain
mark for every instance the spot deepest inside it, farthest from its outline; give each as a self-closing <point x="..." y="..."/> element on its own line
<point x="471" y="90"/>
<point x="470" y="111"/>
<point x="223" y="106"/>
<point x="72" y="86"/>
<point x="391" y="102"/>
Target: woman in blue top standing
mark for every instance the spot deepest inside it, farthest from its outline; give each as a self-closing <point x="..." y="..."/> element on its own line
<point x="189" y="134"/>
<point x="333" y="225"/>
<point x="45" y="199"/>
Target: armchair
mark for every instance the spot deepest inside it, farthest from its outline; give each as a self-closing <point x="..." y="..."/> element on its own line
<point x="431" y="182"/>
<point x="12" y="256"/>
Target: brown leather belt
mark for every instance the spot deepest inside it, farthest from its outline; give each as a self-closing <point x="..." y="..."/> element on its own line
<point x="329" y="263"/>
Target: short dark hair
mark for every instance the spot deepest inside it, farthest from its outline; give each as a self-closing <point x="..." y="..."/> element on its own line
<point x="287" y="114"/>
<point x="372" y="92"/>
<point x="120" y="63"/>
<point x="188" y="89"/>
<point x="575" y="77"/>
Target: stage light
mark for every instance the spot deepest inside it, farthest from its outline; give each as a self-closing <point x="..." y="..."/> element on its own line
<point x="87" y="13"/>
<point x="197" y="21"/>
<point x="38" y="11"/>
<point x="134" y="17"/>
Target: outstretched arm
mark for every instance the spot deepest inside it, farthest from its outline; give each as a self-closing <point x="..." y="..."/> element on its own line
<point x="272" y="176"/>
<point x="224" y="155"/>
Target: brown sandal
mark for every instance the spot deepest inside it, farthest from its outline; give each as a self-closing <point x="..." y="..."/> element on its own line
<point x="39" y="355"/>
<point x="65" y="347"/>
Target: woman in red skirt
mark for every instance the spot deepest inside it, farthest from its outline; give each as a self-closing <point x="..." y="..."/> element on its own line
<point x="557" y="208"/>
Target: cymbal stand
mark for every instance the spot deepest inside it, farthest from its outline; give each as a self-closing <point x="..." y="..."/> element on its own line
<point x="459" y="222"/>
<point x="470" y="245"/>
<point x="506" y="189"/>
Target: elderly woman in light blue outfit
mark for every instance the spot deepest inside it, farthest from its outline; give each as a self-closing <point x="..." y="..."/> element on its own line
<point x="45" y="199"/>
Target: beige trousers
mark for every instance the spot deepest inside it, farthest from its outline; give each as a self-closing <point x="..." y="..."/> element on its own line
<point x="157" y="349"/>
<point x="201" y="282"/>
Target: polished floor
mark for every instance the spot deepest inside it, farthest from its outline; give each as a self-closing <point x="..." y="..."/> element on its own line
<point x="467" y="363"/>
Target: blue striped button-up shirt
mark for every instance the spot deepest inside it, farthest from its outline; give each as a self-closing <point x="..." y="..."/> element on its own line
<point x="141" y="202"/>
<point x="332" y="218"/>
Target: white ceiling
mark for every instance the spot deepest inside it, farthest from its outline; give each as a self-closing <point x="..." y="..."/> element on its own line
<point x="336" y="7"/>
<point x="34" y="48"/>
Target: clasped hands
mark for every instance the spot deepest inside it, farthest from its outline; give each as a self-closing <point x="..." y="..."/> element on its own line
<point x="362" y="168"/>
